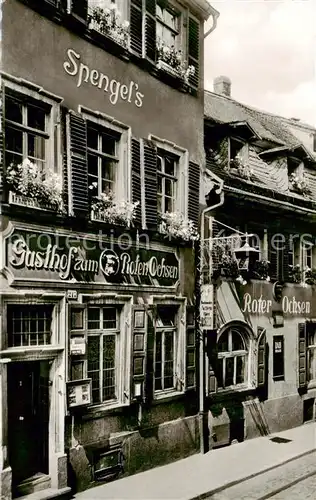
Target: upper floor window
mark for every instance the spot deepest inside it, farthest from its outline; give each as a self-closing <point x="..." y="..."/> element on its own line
<point x="26" y="130"/>
<point x="167" y="166"/>
<point x="103" y="161"/>
<point x="168" y="24"/>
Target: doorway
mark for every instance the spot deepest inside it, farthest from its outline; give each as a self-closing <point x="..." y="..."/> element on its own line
<point x="28" y="420"/>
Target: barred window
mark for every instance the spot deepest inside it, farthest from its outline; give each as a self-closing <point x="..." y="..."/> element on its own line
<point x="29" y="325"/>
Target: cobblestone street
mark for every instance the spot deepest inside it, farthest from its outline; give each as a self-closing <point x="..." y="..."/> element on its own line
<point x="296" y="479"/>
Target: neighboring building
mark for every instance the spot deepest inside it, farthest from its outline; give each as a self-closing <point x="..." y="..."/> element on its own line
<point x="262" y="337"/>
<point x="98" y="370"/>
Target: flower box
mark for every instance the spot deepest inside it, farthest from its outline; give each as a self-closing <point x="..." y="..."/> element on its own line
<point x="26" y="201"/>
<point x="108" y="23"/>
<point x="168" y="69"/>
<point x="99" y="216"/>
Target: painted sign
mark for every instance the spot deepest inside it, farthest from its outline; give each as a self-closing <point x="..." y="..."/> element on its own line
<point x="206" y="306"/>
<point x="289" y="305"/>
<point x="52" y="257"/>
<point x="114" y="89"/>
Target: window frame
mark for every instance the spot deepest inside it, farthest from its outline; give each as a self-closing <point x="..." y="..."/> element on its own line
<point x="32" y="93"/>
<point x="311" y="346"/>
<point x="107" y="123"/>
<point x="123" y="351"/>
<point x="180" y="342"/>
<point x="244" y="149"/>
<point x="224" y="355"/>
<point x="173" y="8"/>
<point x="163" y="330"/>
<point x="181" y="200"/>
<point x="100" y="334"/>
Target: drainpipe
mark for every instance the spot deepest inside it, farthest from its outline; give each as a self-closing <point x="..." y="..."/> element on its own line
<point x="215" y="15"/>
<point x="203" y="447"/>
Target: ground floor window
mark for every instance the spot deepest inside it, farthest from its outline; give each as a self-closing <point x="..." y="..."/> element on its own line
<point x="311" y="352"/>
<point x="102" y="356"/>
<point x="29" y="325"/>
<point x="166" y="343"/>
<point x="232" y="359"/>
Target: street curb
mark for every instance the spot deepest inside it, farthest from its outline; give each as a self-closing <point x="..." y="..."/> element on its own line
<point x="225" y="486"/>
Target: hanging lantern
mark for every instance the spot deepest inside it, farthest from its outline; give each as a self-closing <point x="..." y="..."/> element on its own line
<point x="246" y="255"/>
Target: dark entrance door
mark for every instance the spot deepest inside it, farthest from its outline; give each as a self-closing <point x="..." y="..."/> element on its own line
<point x="28" y="417"/>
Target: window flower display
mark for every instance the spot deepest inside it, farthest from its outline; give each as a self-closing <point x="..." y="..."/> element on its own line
<point x="105" y="208"/>
<point x="175" y="225"/>
<point x="108" y="21"/>
<point x="241" y="168"/>
<point x="170" y="59"/>
<point x="298" y="183"/>
<point x="261" y="270"/>
<point x="31" y="187"/>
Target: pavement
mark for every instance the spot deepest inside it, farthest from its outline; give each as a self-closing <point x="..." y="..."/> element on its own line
<point x="199" y="476"/>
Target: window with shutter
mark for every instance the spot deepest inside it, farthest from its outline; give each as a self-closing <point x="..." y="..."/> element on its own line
<point x="279" y="258"/>
<point x="150" y="349"/>
<point x="311" y="350"/>
<point x="262" y="373"/>
<point x="302" y="355"/>
<point x="77" y="165"/>
<point x="136" y="27"/>
<point x="150" y="175"/>
<point x="108" y="164"/>
<point x="194" y="50"/>
<point x="150" y="30"/>
<point x="191" y="349"/>
<point x="79" y="9"/>
<point x="31" y="144"/>
<point x="194" y="192"/>
<point x="139" y="328"/>
<point x="136" y="181"/>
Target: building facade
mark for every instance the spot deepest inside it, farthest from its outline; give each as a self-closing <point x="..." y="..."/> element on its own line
<point x="100" y="200"/>
<point x="259" y="270"/>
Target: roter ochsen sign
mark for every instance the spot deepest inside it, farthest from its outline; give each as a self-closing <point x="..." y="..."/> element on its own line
<point x="261" y="305"/>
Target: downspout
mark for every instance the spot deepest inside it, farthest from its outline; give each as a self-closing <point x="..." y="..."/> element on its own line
<point x="202" y="426"/>
<point x="215" y="15"/>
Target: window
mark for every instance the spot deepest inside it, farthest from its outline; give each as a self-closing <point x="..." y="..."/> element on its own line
<point x="103" y="344"/>
<point x="311" y="351"/>
<point x="26" y="129"/>
<point x="168" y="25"/>
<point x="236" y="147"/>
<point x="232" y="359"/>
<point x="165" y="349"/>
<point x="306" y="256"/>
<point x="102" y="160"/>
<point x="29" y="325"/>
<point x="167" y="166"/>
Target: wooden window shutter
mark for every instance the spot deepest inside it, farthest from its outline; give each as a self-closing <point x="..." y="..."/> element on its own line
<point x="63" y="131"/>
<point x="194" y="192"/>
<point x="136" y="27"/>
<point x="211" y="350"/>
<point x="150" y="355"/>
<point x="138" y="349"/>
<point x="77" y="165"/>
<point x="136" y="181"/>
<point x="314" y="142"/>
<point x="302" y="355"/>
<point x="150" y="30"/>
<point x="285" y="260"/>
<point x="273" y="259"/>
<point x="149" y="152"/>
<point x="194" y="50"/>
<point x="1" y="140"/>
<point x="190" y="349"/>
<point x="261" y="366"/>
<point x="79" y="8"/>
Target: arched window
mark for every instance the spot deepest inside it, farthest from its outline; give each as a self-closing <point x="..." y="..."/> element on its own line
<point x="232" y="358"/>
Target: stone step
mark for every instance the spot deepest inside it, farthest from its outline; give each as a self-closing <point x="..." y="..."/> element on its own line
<point x="49" y="494"/>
